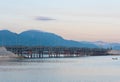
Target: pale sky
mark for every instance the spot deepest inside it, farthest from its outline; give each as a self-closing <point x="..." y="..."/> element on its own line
<point x="81" y="20"/>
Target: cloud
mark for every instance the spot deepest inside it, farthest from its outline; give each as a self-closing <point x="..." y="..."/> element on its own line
<point x="42" y="18"/>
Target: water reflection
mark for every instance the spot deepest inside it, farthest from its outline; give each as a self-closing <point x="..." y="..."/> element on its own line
<point x="83" y="69"/>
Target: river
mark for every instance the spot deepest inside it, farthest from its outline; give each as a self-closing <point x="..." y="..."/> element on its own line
<point x="81" y="69"/>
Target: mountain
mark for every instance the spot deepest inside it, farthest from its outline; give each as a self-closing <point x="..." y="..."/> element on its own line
<point x="114" y="46"/>
<point x="8" y="38"/>
<point x="39" y="38"/>
<point x="102" y="44"/>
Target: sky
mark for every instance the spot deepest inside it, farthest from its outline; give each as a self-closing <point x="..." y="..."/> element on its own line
<point x="80" y="20"/>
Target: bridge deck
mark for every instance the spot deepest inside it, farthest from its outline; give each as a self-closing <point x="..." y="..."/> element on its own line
<point x="40" y="52"/>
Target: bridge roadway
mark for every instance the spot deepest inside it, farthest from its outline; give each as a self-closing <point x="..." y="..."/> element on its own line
<point x="54" y="52"/>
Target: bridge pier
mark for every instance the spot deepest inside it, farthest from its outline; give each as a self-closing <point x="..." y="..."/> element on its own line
<point x="55" y="52"/>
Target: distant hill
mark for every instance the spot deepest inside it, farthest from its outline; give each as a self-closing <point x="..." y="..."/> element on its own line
<point x="8" y="38"/>
<point x="39" y="38"/>
<point x="114" y="46"/>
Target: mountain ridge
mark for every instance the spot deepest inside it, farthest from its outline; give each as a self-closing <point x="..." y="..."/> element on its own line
<point x="42" y="38"/>
<point x="38" y="38"/>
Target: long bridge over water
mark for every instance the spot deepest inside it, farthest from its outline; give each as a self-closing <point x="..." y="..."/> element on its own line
<point x="55" y="52"/>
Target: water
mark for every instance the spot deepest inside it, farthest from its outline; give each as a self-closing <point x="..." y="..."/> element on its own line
<point x="82" y="69"/>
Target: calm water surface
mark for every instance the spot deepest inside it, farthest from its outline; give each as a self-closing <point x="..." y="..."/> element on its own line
<point x="82" y="69"/>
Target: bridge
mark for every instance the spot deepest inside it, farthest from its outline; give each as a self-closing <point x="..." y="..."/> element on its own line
<point x="55" y="52"/>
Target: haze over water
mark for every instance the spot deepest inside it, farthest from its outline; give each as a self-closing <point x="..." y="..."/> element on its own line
<point x="81" y="69"/>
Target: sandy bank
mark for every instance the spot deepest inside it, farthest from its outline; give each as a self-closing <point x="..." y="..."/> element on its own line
<point x="6" y="55"/>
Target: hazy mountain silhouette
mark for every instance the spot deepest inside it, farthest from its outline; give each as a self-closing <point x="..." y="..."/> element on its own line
<point x="101" y="44"/>
<point x="39" y="38"/>
<point x="8" y="38"/>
